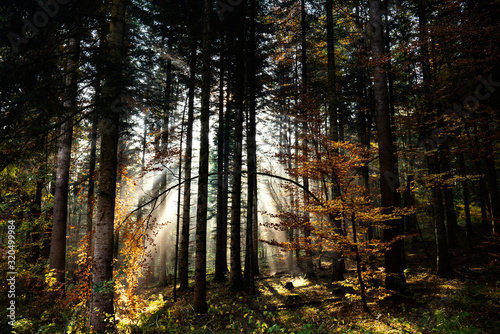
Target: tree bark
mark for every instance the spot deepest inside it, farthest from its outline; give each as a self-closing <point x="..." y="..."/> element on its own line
<point x="200" y="289"/>
<point x="236" y="277"/>
<point x="101" y="306"/>
<point x="221" y="237"/>
<point x="465" y="192"/>
<point x="491" y="176"/>
<point x="186" y="209"/>
<point x="393" y="259"/>
<point x="60" y="217"/>
<point x="332" y="91"/>
<point x="251" y="260"/>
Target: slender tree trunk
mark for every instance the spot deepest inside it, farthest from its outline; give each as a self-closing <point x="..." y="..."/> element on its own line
<point x="442" y="254"/>
<point x="36" y="211"/>
<point x="162" y="267"/>
<point x="251" y="263"/>
<point x="394" y="264"/>
<point x="491" y="176"/>
<point x="450" y="214"/>
<point x="465" y="191"/>
<point x="236" y="277"/>
<point x="433" y="161"/>
<point x="305" y="83"/>
<point x="332" y="91"/>
<point x="60" y="217"/>
<point x="186" y="209"/>
<point x="200" y="289"/>
<point x="91" y="186"/>
<point x="221" y="237"/>
<point x="101" y="306"/>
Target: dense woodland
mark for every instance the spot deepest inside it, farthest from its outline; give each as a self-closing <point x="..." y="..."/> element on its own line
<point x="250" y="166"/>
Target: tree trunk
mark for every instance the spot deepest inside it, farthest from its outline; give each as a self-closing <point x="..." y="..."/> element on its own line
<point x="491" y="176"/>
<point x="393" y="259"/>
<point x="465" y="192"/>
<point x="236" y="278"/>
<point x="433" y="163"/>
<point x="332" y="91"/>
<point x="251" y="260"/>
<point x="101" y="306"/>
<point x="162" y="267"/>
<point x="200" y="289"/>
<point x="60" y="217"/>
<point x="186" y="209"/>
<point x="450" y="214"/>
<point x="221" y="237"/>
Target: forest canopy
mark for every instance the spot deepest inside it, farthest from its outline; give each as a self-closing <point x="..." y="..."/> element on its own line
<point x="161" y="161"/>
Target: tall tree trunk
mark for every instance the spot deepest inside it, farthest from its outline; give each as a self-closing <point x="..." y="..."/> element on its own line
<point x="433" y="161"/>
<point x="491" y="176"/>
<point x="236" y="277"/>
<point x="442" y="254"/>
<point x="200" y="289"/>
<point x="465" y="192"/>
<point x="36" y="211"/>
<point x="186" y="208"/>
<point x="393" y="259"/>
<point x="101" y="306"/>
<point x="450" y="213"/>
<point x="60" y="217"/>
<point x="251" y="259"/>
<point x="162" y="268"/>
<point x="305" y="83"/>
<point x="91" y="185"/>
<point x="332" y="91"/>
<point x="221" y="237"/>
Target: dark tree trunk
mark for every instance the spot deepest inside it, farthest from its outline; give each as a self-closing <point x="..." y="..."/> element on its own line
<point x="60" y="217"/>
<point x="332" y="91"/>
<point x="251" y="259"/>
<point x="101" y="306"/>
<point x="221" y="237"/>
<point x="236" y="277"/>
<point x="433" y="161"/>
<point x="465" y="192"/>
<point x="162" y="267"/>
<point x="450" y="214"/>
<point x="200" y="288"/>
<point x="393" y="259"/>
<point x="491" y="176"/>
<point x="184" y="250"/>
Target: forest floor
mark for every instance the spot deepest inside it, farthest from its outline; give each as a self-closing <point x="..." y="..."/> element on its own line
<point x="467" y="302"/>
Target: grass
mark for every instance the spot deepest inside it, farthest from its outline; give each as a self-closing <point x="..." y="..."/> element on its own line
<point x="464" y="304"/>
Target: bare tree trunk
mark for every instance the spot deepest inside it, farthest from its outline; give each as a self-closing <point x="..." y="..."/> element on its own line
<point x="434" y="166"/>
<point x="394" y="264"/>
<point x="221" y="237"/>
<point x="200" y="289"/>
<point x="184" y="251"/>
<point x="60" y="217"/>
<point x="251" y="260"/>
<point x="491" y="176"/>
<point x="332" y="91"/>
<point x="101" y="306"/>
<point x="236" y="277"/>
<point x="465" y="191"/>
